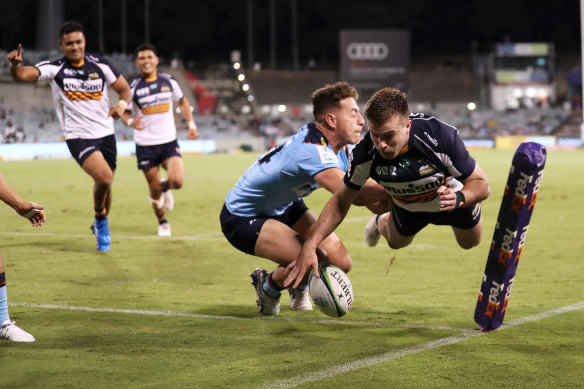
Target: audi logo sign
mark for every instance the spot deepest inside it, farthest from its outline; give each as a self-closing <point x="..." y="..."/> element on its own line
<point x="372" y="51"/>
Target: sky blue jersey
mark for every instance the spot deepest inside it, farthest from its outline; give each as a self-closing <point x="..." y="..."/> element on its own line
<point x="284" y="174"/>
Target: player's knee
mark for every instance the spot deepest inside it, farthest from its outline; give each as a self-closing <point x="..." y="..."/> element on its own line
<point x="105" y="179"/>
<point x="467" y="245"/>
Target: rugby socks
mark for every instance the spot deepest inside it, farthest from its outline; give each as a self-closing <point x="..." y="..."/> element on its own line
<point x="3" y="299"/>
<point x="100" y="214"/>
<point x="164" y="186"/>
<point x="162" y="221"/>
<point x="302" y="288"/>
<point x="271" y="288"/>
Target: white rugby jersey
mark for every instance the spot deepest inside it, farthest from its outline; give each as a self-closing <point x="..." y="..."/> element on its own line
<point x="80" y="95"/>
<point x="153" y="101"/>
<point x="435" y="155"/>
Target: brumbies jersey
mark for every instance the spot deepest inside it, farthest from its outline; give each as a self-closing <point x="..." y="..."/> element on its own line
<point x="152" y="101"/>
<point x="435" y="155"/>
<point x="284" y="174"/>
<point x="81" y="95"/>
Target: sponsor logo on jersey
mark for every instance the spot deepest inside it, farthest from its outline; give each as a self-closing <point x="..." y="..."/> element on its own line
<point x="434" y="141"/>
<point x="327" y="155"/>
<point x="82" y="90"/>
<point x="162" y="108"/>
<point x="165" y="89"/>
<point x="142" y="91"/>
<point x="93" y="76"/>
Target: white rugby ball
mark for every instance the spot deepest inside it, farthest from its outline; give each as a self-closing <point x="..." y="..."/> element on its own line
<point x="332" y="293"/>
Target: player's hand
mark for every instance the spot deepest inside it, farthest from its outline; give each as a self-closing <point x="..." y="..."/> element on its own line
<point x="297" y="269"/>
<point x="34" y="213"/>
<point x="116" y="111"/>
<point x="448" y="199"/>
<point x="137" y="123"/>
<point x="192" y="134"/>
<point x="15" y="56"/>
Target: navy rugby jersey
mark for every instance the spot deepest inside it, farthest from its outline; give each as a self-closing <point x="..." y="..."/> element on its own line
<point x="435" y="156"/>
<point x="284" y="174"/>
<point x="80" y="95"/>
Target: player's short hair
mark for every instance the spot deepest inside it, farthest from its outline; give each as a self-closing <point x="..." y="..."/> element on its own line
<point x="144" y="47"/>
<point x="69" y="27"/>
<point x="330" y="96"/>
<point x="385" y="104"/>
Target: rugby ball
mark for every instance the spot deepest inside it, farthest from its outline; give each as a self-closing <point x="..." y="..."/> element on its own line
<point x="332" y="293"/>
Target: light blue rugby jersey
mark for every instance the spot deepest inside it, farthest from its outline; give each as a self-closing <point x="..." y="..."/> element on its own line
<point x="284" y="174"/>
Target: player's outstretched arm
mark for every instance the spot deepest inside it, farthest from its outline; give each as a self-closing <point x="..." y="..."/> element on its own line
<point x="31" y="211"/>
<point x="185" y="110"/>
<point x="122" y="88"/>
<point x="17" y="71"/>
<point x="331" y="216"/>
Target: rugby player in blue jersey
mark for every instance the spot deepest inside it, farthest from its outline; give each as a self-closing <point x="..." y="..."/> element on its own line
<point x="153" y="94"/>
<point x="80" y="85"/>
<point x="264" y="214"/>
<point x="425" y="168"/>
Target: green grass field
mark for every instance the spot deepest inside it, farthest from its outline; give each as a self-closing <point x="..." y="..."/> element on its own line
<point x="179" y="312"/>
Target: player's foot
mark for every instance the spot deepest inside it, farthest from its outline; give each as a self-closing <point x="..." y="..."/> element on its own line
<point x="10" y="331"/>
<point x="164" y="229"/>
<point x="300" y="300"/>
<point x="266" y="304"/>
<point x="100" y="229"/>
<point x="168" y="198"/>
<point x="371" y="233"/>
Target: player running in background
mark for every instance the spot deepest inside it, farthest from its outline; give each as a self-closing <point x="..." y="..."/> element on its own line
<point x="80" y="85"/>
<point x="33" y="212"/>
<point x="155" y="132"/>
<point x="425" y="167"/>
<point x="265" y="215"/>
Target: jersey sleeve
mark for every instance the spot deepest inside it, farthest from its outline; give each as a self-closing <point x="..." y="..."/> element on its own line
<point x="316" y="158"/>
<point x="177" y="92"/>
<point x="456" y="157"/>
<point x="47" y="70"/>
<point x="360" y="161"/>
<point x="109" y="70"/>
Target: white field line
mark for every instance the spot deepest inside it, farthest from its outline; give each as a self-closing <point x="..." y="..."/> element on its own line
<point x="227" y="317"/>
<point x="210" y="236"/>
<point x="390" y="356"/>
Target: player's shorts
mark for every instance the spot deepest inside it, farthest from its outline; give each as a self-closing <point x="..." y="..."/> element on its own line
<point x="410" y="223"/>
<point x="82" y="148"/>
<point x="151" y="156"/>
<point x="243" y="232"/>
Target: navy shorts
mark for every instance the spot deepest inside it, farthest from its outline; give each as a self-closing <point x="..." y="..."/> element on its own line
<point x="82" y="148"/>
<point x="410" y="223"/>
<point x="243" y="232"/>
<point x="151" y="156"/>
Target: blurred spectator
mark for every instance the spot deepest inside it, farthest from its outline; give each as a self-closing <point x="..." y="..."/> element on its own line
<point x="9" y="132"/>
<point x="19" y="136"/>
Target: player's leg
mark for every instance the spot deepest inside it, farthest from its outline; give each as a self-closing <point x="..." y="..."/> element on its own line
<point x="9" y="330"/>
<point x="173" y="164"/>
<point x="388" y="228"/>
<point x="157" y="199"/>
<point x="469" y="238"/>
<point x="98" y="168"/>
<point x="175" y="172"/>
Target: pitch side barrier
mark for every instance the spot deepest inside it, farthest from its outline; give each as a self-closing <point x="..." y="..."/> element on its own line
<point x="58" y="150"/>
<point x="512" y="142"/>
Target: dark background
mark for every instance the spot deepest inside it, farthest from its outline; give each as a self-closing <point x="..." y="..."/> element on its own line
<point x="204" y="32"/>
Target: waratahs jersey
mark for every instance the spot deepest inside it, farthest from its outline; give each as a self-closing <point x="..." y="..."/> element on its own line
<point x="284" y="174"/>
<point x="435" y="155"/>
<point x="153" y="101"/>
<point x="80" y="95"/>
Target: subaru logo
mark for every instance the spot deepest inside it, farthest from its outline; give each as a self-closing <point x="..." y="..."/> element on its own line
<point x="373" y="51"/>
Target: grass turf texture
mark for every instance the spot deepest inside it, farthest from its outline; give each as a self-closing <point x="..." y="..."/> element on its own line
<point x="401" y="297"/>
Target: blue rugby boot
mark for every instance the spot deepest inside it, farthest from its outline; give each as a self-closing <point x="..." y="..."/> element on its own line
<point x="100" y="229"/>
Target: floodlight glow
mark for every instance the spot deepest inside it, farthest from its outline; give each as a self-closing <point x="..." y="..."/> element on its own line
<point x="281" y="108"/>
<point x="530" y="92"/>
<point x="245" y="87"/>
<point x="245" y="109"/>
<point x="241" y="77"/>
<point x="250" y="98"/>
<point x="236" y="65"/>
<point x="471" y="106"/>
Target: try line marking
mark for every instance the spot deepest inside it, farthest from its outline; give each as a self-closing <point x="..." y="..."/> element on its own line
<point x="227" y="317"/>
<point x="390" y="356"/>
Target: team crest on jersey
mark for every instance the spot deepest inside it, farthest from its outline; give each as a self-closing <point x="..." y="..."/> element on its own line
<point x="326" y="155"/>
<point x="427" y="170"/>
<point x="93" y="76"/>
<point x="165" y="89"/>
<point x="153" y="86"/>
